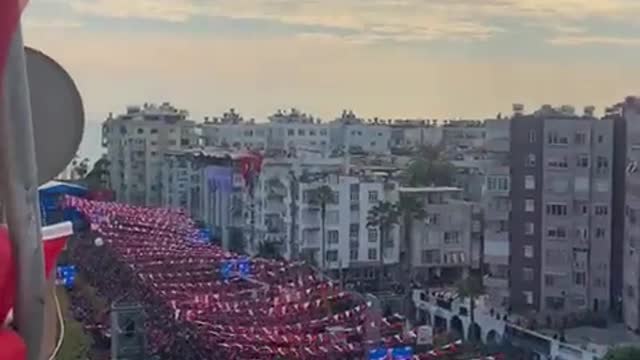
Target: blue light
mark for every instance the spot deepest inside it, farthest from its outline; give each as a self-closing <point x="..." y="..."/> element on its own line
<point x="244" y="267"/>
<point x="402" y="353"/>
<point x="378" y="353"/>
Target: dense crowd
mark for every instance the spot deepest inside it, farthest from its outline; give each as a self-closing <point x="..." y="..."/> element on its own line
<point x="283" y="310"/>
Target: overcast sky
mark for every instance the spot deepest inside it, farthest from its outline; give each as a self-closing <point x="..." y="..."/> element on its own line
<point x="387" y="58"/>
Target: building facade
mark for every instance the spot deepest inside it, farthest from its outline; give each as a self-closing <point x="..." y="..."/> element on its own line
<point x="136" y="142"/>
<point x="560" y="224"/>
<point x="444" y="247"/>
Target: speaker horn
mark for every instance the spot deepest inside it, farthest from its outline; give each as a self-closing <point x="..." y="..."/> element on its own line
<point x="57" y="114"/>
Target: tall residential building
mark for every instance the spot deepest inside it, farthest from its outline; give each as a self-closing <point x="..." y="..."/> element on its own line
<point x="496" y="204"/>
<point x="561" y="205"/>
<point x="444" y="245"/>
<point x="625" y="260"/>
<point x="136" y="142"/>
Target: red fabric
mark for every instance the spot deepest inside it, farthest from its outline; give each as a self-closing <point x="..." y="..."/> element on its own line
<point x="52" y="248"/>
<point x="11" y="346"/>
<point x="10" y="11"/>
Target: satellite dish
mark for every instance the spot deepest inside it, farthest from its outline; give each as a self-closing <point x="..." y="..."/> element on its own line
<point x="57" y="114"/>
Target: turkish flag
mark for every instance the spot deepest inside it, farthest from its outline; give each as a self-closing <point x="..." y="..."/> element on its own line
<point x="54" y="239"/>
<point x="10" y="11"/>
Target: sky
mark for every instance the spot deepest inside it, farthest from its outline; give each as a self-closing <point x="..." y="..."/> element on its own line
<point x="385" y="58"/>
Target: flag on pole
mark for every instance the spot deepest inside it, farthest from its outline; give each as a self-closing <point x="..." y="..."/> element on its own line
<point x="10" y="11"/>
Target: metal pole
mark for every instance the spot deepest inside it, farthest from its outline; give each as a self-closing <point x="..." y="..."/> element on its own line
<point x="20" y="196"/>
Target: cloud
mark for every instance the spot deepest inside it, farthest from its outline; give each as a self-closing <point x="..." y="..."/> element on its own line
<point x="368" y="21"/>
<point x="40" y="23"/>
<point x="581" y="40"/>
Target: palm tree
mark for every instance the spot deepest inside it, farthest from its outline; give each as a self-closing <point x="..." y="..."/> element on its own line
<point x="411" y="209"/>
<point x="471" y="287"/>
<point x="322" y="196"/>
<point x="293" y="209"/>
<point x="384" y="216"/>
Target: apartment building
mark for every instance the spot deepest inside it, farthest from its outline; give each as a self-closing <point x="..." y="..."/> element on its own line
<point x="232" y="131"/>
<point x="136" y="142"/>
<point x="496" y="205"/>
<point x="350" y="244"/>
<point x="560" y="224"/>
<point x="625" y="260"/>
<point x="357" y="135"/>
<point x="445" y="244"/>
<point x="409" y="134"/>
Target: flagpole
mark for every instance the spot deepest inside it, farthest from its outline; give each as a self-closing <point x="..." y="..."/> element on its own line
<point x="20" y="196"/>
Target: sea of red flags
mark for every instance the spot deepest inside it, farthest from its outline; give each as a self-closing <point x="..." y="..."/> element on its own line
<point x="282" y="310"/>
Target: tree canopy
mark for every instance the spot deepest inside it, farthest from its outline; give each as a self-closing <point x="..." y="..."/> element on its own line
<point x="429" y="168"/>
<point x="624" y="353"/>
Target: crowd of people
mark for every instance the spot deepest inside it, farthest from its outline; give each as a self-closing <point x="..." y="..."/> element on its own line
<point x="282" y="310"/>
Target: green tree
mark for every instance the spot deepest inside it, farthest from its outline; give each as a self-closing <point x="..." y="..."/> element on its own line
<point x="429" y="168"/>
<point x="322" y="196"/>
<point x="471" y="287"/>
<point x="383" y="216"/>
<point x="98" y="177"/>
<point x="411" y="209"/>
<point x="623" y="353"/>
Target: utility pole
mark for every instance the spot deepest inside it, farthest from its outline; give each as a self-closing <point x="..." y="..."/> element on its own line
<point x="20" y="196"/>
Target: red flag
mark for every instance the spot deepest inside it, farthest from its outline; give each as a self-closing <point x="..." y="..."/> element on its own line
<point x="10" y="11"/>
<point x="54" y="238"/>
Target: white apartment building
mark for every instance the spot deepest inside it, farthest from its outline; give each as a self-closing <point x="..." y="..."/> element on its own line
<point x="136" y="142"/>
<point x="232" y="131"/>
<point x="290" y="219"/>
<point x="353" y="134"/>
<point x="444" y="243"/>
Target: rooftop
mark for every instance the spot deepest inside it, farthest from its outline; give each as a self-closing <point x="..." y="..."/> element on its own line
<point x="429" y="189"/>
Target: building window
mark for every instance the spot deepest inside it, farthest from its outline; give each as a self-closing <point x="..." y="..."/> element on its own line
<point x="527" y="274"/>
<point x="333" y="237"/>
<point x="372" y="254"/>
<point x="332" y="255"/>
<point x="154" y="131"/>
<point x="528" y="251"/>
<point x="354" y="230"/>
<point x="373" y="235"/>
<point x="451" y="237"/>
<point x="600" y="139"/>
<point x="498" y="183"/>
<point x="373" y="196"/>
<point x="353" y="254"/>
<point x="602" y="163"/>
<point x="556" y="209"/>
<point x="583" y="161"/>
<point x="430" y="256"/>
<point x="558" y="163"/>
<point x="600" y="233"/>
<point x="301" y="132"/>
<point x="580" y="278"/>
<point x="528" y="297"/>
<point x="555" y="139"/>
<point x="580" y="138"/>
<point x="556" y="232"/>
<point x="529" y="182"/>
<point x="531" y="160"/>
<point x="529" y="205"/>
<point x="549" y="280"/>
<point x="529" y="228"/>
<point x="323" y="132"/>
<point x="601" y="210"/>
<point x="140" y="131"/>
<point x="532" y="136"/>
